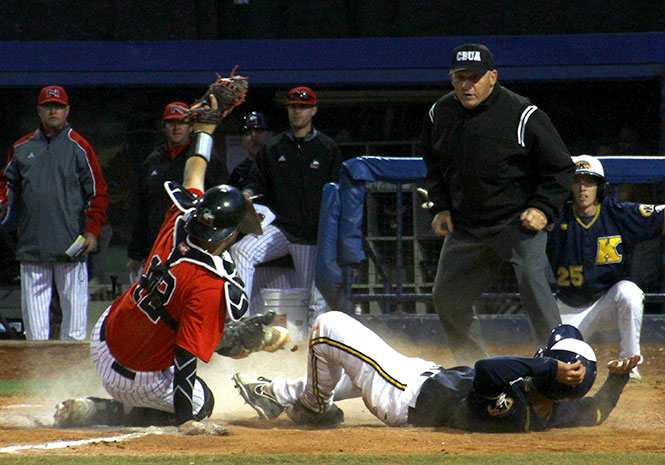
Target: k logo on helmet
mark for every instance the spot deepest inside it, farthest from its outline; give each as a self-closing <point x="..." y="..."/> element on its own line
<point x="583" y="165"/>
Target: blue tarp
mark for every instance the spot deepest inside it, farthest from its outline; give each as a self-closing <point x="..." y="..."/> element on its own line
<point x="358" y="171"/>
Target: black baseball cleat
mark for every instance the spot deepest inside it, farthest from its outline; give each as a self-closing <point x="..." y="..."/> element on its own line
<point x="258" y="395"/>
<point x="301" y="415"/>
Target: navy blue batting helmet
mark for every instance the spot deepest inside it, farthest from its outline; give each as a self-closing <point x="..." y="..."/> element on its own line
<point x="218" y="213"/>
<point x="567" y="345"/>
<point x="254" y="120"/>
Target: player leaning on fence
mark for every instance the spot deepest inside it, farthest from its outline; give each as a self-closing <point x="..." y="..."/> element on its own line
<point x="499" y="173"/>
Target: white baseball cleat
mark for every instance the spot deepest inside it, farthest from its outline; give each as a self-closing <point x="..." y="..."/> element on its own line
<point x="635" y="376"/>
<point x="257" y="394"/>
<point x="74" y="412"/>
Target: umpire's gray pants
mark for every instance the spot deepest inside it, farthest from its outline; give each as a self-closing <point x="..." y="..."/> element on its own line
<point x="466" y="268"/>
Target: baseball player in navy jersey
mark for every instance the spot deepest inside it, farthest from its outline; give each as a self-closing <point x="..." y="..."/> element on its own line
<point x="499" y="394"/>
<point x="289" y="173"/>
<point x="589" y="249"/>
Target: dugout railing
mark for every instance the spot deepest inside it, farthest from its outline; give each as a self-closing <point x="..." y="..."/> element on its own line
<point x="347" y="247"/>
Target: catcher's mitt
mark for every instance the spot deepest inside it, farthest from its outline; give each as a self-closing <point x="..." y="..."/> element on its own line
<point x="252" y="334"/>
<point x="229" y="92"/>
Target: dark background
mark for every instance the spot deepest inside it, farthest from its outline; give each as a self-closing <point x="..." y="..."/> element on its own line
<point x="595" y="116"/>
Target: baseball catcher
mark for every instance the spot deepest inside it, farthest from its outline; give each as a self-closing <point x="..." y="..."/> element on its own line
<point x="499" y="394"/>
<point x="146" y="345"/>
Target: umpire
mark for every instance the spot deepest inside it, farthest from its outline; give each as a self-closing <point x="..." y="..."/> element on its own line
<point x="498" y="174"/>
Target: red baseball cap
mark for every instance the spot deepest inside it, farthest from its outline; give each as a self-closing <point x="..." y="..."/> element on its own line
<point x="301" y="96"/>
<point x="175" y="110"/>
<point x="53" y="94"/>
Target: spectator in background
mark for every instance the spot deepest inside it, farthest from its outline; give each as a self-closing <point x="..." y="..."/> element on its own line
<point x="589" y="249"/>
<point x="255" y="133"/>
<point x="53" y="175"/>
<point x="289" y="173"/>
<point x="499" y="174"/>
<point x="165" y="163"/>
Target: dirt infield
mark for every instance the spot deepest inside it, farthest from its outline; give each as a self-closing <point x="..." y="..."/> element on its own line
<point x="57" y="371"/>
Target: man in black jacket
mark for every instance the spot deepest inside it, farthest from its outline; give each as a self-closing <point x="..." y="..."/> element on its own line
<point x="165" y="163"/>
<point x="499" y="174"/>
<point x="289" y="174"/>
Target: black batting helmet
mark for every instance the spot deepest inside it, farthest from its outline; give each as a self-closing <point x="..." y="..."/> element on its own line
<point x="567" y="345"/>
<point x="254" y="120"/>
<point x="217" y="214"/>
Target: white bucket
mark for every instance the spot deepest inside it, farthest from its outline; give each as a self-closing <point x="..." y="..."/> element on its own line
<point x="292" y="309"/>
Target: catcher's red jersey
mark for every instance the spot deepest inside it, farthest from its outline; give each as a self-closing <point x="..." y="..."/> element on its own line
<point x="194" y="295"/>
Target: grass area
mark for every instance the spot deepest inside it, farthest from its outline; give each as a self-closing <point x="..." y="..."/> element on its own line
<point x="14" y="387"/>
<point x="346" y="459"/>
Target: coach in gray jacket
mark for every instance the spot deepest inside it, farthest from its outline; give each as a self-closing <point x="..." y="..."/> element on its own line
<point x="53" y="177"/>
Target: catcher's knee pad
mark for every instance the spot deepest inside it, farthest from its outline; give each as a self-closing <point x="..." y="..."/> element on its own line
<point x="208" y="402"/>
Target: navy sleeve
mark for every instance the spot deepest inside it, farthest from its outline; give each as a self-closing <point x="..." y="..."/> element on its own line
<point x="590" y="410"/>
<point x="639" y="222"/>
<point x="493" y="374"/>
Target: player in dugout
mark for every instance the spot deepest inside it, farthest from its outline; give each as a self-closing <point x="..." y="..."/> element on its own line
<point x="500" y="394"/>
<point x="589" y="249"/>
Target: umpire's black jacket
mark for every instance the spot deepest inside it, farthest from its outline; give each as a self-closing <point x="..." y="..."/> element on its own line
<point x="290" y="174"/>
<point x="490" y="163"/>
<point x="152" y="201"/>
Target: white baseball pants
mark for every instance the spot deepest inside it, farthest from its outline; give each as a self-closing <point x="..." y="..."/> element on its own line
<point x="254" y="249"/>
<point x="71" y="280"/>
<point x="347" y="359"/>
<point x="151" y="389"/>
<point x="620" y="308"/>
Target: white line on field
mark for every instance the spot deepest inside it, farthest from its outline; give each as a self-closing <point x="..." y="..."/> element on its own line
<point x="22" y="406"/>
<point x="82" y="442"/>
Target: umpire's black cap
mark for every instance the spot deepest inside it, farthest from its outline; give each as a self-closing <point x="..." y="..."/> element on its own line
<point x="472" y="57"/>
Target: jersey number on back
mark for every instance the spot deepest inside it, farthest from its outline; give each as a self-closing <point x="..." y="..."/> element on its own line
<point x="163" y="291"/>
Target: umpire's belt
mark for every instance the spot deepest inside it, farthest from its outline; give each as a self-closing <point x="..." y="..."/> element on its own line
<point x="115" y="366"/>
